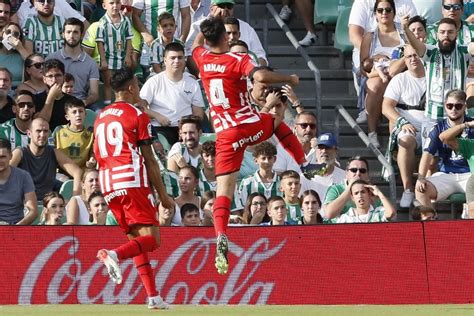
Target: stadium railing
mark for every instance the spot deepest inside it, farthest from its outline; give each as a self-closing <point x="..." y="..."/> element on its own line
<point x="341" y="112"/>
<point x="316" y="73"/>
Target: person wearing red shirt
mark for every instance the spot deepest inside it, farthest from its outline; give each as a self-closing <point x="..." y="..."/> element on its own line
<point x="127" y="173"/>
<point x="236" y="123"/>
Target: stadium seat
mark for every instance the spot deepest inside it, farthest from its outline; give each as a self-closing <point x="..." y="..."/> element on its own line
<point x="66" y="189"/>
<point x="90" y="118"/>
<point x="454" y="200"/>
<point x="207" y="136"/>
<point x="341" y="34"/>
<point x="327" y="11"/>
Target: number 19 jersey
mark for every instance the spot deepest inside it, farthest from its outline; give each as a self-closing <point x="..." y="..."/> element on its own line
<point x="119" y="130"/>
<point x="224" y="77"/>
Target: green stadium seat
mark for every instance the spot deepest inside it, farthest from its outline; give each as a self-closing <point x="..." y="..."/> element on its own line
<point x="207" y="136"/>
<point x="40" y="212"/>
<point x="327" y="11"/>
<point x="341" y="34"/>
<point x="66" y="189"/>
<point x="90" y="118"/>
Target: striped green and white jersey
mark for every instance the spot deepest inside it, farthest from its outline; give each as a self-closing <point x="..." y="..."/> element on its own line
<point x="443" y="73"/>
<point x="205" y="185"/>
<point x="170" y="180"/>
<point x="374" y="215"/>
<point x="46" y="39"/>
<point x="254" y="183"/>
<point x="180" y="148"/>
<point x="114" y="37"/>
<point x="153" y="8"/>
<point x="9" y="131"/>
<point x="158" y="51"/>
<point x="294" y="215"/>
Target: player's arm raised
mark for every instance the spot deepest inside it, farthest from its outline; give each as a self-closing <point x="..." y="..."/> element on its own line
<point x="269" y="77"/>
<point x="154" y="174"/>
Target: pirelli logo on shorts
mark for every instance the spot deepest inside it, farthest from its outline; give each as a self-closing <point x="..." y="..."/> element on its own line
<point x="251" y="139"/>
<point x="111" y="195"/>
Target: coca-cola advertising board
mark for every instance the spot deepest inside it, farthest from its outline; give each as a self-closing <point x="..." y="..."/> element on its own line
<point x="337" y="264"/>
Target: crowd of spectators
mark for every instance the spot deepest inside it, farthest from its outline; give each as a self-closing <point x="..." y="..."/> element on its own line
<point x="53" y="60"/>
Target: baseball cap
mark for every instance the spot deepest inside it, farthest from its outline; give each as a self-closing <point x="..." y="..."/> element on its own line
<point x="222" y="1"/>
<point x="327" y="139"/>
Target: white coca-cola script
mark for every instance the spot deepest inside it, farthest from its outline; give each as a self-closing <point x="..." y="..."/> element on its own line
<point x="242" y="284"/>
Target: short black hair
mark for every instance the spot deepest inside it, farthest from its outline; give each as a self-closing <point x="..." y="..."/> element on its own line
<point x="5" y="143"/>
<point x="53" y="64"/>
<point x="265" y="149"/>
<point x="73" y="103"/>
<point x="359" y="158"/>
<point x="192" y="119"/>
<point x="213" y="30"/>
<point x="208" y="147"/>
<point x="232" y="21"/>
<point x="165" y="16"/>
<point x="173" y="47"/>
<point x="94" y="195"/>
<point x="74" y="21"/>
<point x="19" y="93"/>
<point x="69" y="77"/>
<point x="238" y="43"/>
<point x="447" y="21"/>
<point x="188" y="208"/>
<point x="417" y="19"/>
<point x="121" y="79"/>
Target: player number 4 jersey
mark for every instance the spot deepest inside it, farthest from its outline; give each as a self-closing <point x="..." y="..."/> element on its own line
<point x="118" y="131"/>
<point x="224" y="77"/>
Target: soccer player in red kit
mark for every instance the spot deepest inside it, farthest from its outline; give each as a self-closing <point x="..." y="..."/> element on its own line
<point x="127" y="173"/>
<point x="236" y="123"/>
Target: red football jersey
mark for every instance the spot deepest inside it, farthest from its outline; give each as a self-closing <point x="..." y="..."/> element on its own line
<point x="224" y="77"/>
<point x="118" y="130"/>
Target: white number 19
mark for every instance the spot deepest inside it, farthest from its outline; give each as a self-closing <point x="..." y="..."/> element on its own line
<point x="112" y="136"/>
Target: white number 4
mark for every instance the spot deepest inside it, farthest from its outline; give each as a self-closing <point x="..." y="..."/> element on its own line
<point x="218" y="98"/>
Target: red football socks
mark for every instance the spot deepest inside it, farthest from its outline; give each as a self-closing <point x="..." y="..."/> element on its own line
<point x="146" y="274"/>
<point x="290" y="142"/>
<point x="139" y="245"/>
<point x="221" y="213"/>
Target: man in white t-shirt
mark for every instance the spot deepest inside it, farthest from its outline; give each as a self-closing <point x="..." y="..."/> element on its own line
<point x="403" y="107"/>
<point x="172" y="94"/>
<point x="361" y="20"/>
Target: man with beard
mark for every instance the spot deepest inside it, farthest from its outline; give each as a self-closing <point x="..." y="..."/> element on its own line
<point x="446" y="66"/>
<point x="41" y="160"/>
<point x="453" y="9"/>
<point x="223" y="9"/>
<point x="454" y="169"/>
<point x="78" y="63"/>
<point x="6" y="102"/>
<point x="5" y="13"/>
<point x="188" y="150"/>
<point x="43" y="30"/>
<point x="16" y="128"/>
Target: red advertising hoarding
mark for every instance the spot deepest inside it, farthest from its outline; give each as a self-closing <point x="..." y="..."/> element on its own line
<point x="336" y="264"/>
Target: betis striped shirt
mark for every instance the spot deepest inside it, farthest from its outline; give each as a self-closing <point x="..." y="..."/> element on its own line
<point x="465" y="33"/>
<point x="153" y="8"/>
<point x="443" y="73"/>
<point x="374" y="215"/>
<point x="294" y="215"/>
<point x="170" y="180"/>
<point x="115" y="39"/>
<point x="254" y="183"/>
<point x="46" y="39"/>
<point x="158" y="51"/>
<point x="9" y="131"/>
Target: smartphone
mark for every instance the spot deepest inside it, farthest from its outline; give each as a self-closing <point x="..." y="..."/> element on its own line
<point x="6" y="42"/>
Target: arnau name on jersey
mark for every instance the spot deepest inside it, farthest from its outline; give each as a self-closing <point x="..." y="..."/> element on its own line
<point x="214" y="68"/>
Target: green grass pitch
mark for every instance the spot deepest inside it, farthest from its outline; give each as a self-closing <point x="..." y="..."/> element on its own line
<point x="240" y="310"/>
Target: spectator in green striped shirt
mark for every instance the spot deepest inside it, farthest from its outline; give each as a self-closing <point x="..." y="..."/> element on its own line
<point x="290" y="185"/>
<point x="15" y="129"/>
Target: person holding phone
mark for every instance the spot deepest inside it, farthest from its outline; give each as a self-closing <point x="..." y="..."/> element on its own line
<point x="12" y="51"/>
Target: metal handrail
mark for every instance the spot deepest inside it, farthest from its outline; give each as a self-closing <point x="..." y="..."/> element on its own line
<point x="300" y="49"/>
<point x="247" y="11"/>
<point x="341" y="111"/>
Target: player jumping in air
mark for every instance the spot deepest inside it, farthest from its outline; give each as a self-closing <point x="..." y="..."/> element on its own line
<point x="236" y="122"/>
<point x="127" y="173"/>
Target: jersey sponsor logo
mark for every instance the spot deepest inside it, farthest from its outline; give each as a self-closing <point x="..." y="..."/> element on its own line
<point x="115" y="112"/>
<point x="114" y="194"/>
<point x="250" y="139"/>
<point x="214" y="68"/>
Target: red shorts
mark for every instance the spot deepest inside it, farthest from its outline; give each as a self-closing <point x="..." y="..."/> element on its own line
<point x="132" y="207"/>
<point x="231" y="143"/>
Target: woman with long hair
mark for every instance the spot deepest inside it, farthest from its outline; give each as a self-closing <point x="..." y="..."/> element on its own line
<point x="255" y="211"/>
<point x="12" y="51"/>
